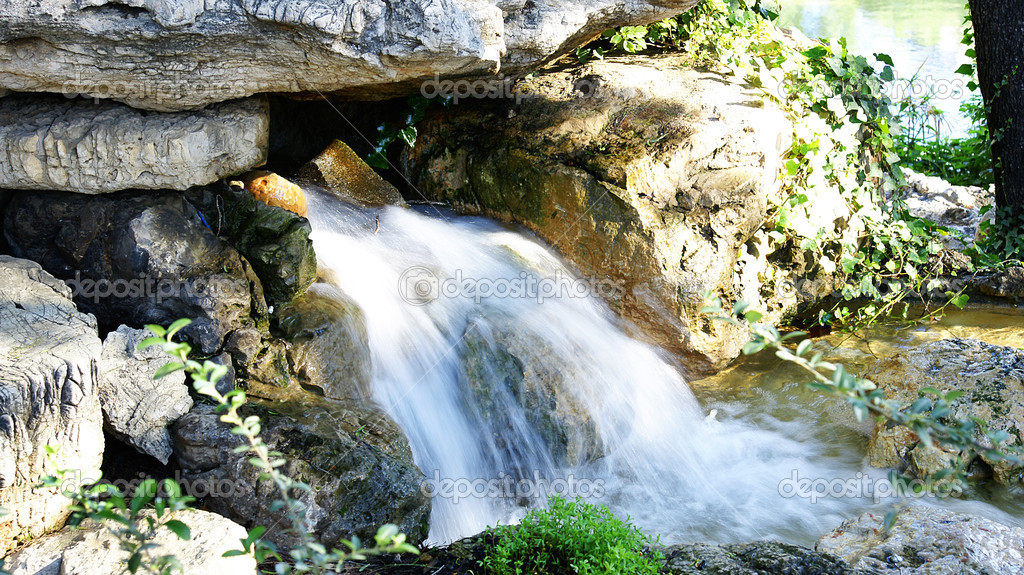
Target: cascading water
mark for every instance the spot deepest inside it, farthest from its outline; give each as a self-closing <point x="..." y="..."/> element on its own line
<point x="503" y="369"/>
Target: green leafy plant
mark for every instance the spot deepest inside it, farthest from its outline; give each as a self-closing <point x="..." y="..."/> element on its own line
<point x="310" y="556"/>
<point x="127" y="517"/>
<point x="570" y="537"/>
<point x="929" y="416"/>
<point x="388" y="134"/>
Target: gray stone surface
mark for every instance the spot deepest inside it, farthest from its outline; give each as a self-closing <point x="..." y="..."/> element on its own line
<point x="94" y="551"/>
<point x="928" y="541"/>
<point x="181" y="54"/>
<point x="48" y="395"/>
<point x="137" y="408"/>
<point x="92" y="147"/>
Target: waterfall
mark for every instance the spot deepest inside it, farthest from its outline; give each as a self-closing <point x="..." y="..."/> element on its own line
<point x="511" y="378"/>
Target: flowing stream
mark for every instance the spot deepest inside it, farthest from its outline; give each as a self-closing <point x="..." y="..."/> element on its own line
<point x="510" y="379"/>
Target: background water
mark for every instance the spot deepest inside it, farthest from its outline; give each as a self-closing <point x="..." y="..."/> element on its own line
<point x="922" y="37"/>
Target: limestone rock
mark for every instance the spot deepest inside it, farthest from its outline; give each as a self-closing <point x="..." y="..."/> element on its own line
<point x="94" y="551"/>
<point x="53" y="143"/>
<point x="329" y="348"/>
<point x="139" y="258"/>
<point x="341" y="171"/>
<point x="357" y="459"/>
<point x="930" y="541"/>
<point x="273" y="190"/>
<point x="643" y="172"/>
<point x="48" y="395"/>
<point x="137" y="408"/>
<point x="173" y="55"/>
<point x="992" y="379"/>
<point x="274" y="240"/>
<point x="760" y="557"/>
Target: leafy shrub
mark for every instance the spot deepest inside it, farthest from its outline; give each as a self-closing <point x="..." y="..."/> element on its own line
<point x="570" y="537"/>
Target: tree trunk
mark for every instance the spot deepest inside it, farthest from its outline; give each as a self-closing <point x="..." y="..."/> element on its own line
<point x="999" y="44"/>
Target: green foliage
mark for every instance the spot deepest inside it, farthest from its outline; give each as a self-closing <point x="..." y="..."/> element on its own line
<point x="929" y="417"/>
<point x="570" y="537"/>
<point x="124" y="517"/>
<point x="387" y="134"/>
<point x="310" y="556"/>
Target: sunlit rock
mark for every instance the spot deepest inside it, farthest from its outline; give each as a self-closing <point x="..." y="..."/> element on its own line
<point x="273" y="190"/>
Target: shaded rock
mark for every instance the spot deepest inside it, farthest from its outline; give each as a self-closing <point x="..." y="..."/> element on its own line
<point x="758" y="558"/>
<point x="138" y="409"/>
<point x="48" y="396"/>
<point x="53" y="143"/>
<point x="274" y="240"/>
<point x="1009" y="283"/>
<point x="644" y="173"/>
<point x="137" y="259"/>
<point x="173" y="55"/>
<point x="930" y="541"/>
<point x="92" y="550"/>
<point x="273" y="190"/>
<point x="357" y="461"/>
<point x="341" y="171"/>
<point x="992" y="379"/>
<point x="955" y="207"/>
<point x="520" y="387"/>
<point x="329" y="348"/>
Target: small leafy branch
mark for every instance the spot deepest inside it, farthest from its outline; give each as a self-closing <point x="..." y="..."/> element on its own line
<point x="310" y="556"/>
<point x="127" y="518"/>
<point x="928" y="416"/>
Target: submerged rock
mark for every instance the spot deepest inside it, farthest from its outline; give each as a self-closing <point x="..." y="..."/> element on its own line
<point x="357" y="460"/>
<point x="925" y="540"/>
<point x="93" y="550"/>
<point x="138" y="409"/>
<point x="53" y="143"/>
<point x="642" y="172"/>
<point x="174" y="55"/>
<point x="341" y="171"/>
<point x="992" y="379"/>
<point x="49" y="395"/>
<point x="139" y="258"/>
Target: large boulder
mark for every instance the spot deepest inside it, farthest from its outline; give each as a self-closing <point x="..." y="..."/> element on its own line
<point x="173" y="55"/>
<point x="138" y="409"/>
<point x="140" y="258"/>
<point x="94" y="147"/>
<point x="357" y="461"/>
<point x="927" y="541"/>
<point x="49" y="353"/>
<point x="992" y="379"/>
<point x="339" y="170"/>
<point x="643" y="172"/>
<point x="93" y="550"/>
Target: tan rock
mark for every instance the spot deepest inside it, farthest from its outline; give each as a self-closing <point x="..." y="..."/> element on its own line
<point x="341" y="171"/>
<point x="273" y="190"/>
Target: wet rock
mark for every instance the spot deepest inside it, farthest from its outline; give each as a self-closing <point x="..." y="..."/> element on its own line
<point x="926" y="540"/>
<point x="137" y="259"/>
<point x="341" y="171"/>
<point x="49" y="353"/>
<point x="273" y="190"/>
<point x="992" y="379"/>
<point x="173" y="55"/>
<point x="53" y="143"/>
<point x="329" y="349"/>
<point x="94" y="551"/>
<point x="513" y="377"/>
<point x="642" y="172"/>
<point x="357" y="460"/>
<point x="138" y="409"/>
<point x="759" y="558"/>
<point x="274" y="240"/>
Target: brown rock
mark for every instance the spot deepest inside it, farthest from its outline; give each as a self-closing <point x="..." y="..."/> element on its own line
<point x="273" y="190"/>
<point x="342" y="172"/>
